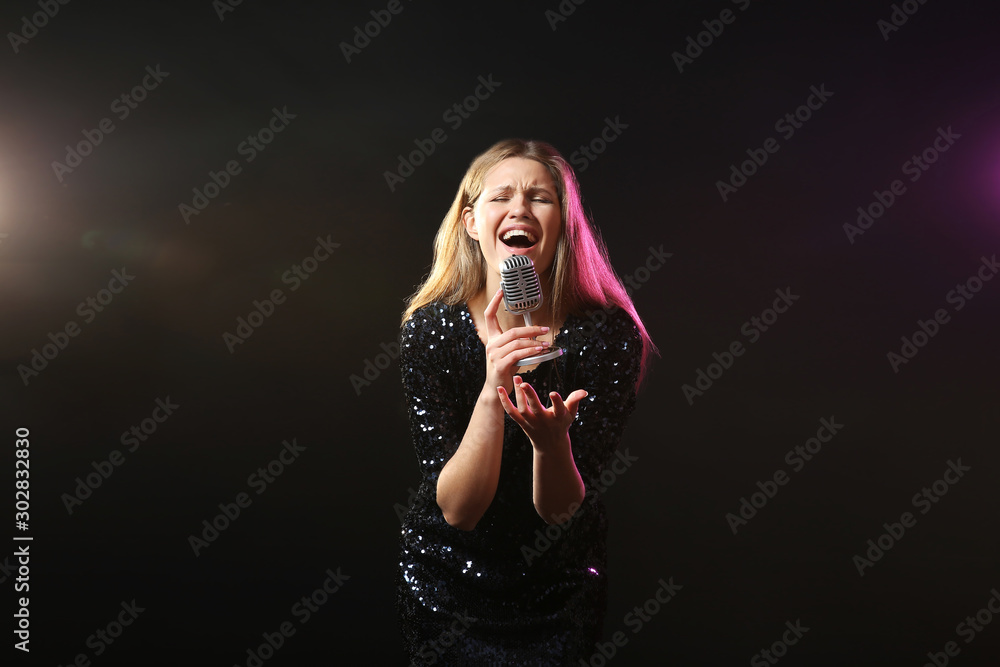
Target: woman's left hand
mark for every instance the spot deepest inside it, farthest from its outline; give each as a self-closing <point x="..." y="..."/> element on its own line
<point x="545" y="427"/>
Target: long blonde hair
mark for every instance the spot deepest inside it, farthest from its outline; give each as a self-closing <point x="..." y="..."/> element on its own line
<point x="582" y="275"/>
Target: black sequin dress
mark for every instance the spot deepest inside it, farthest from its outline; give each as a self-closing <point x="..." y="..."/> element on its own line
<point x="514" y="590"/>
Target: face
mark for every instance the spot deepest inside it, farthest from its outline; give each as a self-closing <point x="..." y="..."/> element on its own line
<point x="518" y="213"/>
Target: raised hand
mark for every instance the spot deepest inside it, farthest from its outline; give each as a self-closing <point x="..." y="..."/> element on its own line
<point x="547" y="428"/>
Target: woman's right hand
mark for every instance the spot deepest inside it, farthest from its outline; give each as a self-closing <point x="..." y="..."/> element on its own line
<point x="505" y="348"/>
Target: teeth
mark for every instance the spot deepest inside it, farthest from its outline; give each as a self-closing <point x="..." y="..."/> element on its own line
<point x="519" y="232"/>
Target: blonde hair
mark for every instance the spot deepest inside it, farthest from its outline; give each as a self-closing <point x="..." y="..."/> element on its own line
<point x="582" y="275"/>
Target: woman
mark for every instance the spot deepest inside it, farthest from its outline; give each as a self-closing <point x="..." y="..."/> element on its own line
<point x="504" y="547"/>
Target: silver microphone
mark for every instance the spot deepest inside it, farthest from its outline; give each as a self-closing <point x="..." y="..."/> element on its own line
<point x="522" y="295"/>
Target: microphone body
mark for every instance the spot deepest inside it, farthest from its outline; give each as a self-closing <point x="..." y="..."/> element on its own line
<point x="522" y="291"/>
<point x="522" y="295"/>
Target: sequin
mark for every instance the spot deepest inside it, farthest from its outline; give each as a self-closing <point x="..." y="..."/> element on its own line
<point x="513" y="591"/>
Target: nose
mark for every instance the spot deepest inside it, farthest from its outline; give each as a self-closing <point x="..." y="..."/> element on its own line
<point x="519" y="206"/>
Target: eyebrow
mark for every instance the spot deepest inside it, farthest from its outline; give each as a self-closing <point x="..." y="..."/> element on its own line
<point x="508" y="187"/>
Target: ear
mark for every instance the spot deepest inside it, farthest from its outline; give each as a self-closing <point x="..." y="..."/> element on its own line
<point x="469" y="220"/>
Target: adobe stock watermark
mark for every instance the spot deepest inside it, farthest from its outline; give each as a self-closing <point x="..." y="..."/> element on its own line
<point x="455" y="116"/>
<point x="713" y="30"/>
<point x="779" y="648"/>
<point x="968" y="629"/>
<point x="122" y="107"/>
<point x="633" y="281"/>
<point x="898" y="17"/>
<point x="595" y="488"/>
<point x="381" y="18"/>
<point x="31" y="25"/>
<point x="584" y="155"/>
<point x="294" y="276"/>
<point x="22" y="616"/>
<point x="432" y="650"/>
<point x="371" y="370"/>
<point x="223" y="7"/>
<point x="562" y="12"/>
<point x="635" y="620"/>
<point x="132" y="438"/>
<point x="302" y="611"/>
<point x="922" y="500"/>
<point x="7" y="569"/>
<point x="88" y="309"/>
<point x="105" y="637"/>
<point x="961" y="294"/>
<point x="797" y="458"/>
<point x="249" y="149"/>
<point x="752" y="329"/>
<point x="914" y="168"/>
<point x="230" y="512"/>
<point x="641" y="274"/>
<point x="402" y="509"/>
<point x="787" y="125"/>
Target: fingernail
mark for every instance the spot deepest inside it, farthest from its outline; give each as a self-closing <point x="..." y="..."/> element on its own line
<point x="546" y="343"/>
<point x="544" y="329"/>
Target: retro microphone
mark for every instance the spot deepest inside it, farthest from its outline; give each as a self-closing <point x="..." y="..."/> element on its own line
<point x="522" y="294"/>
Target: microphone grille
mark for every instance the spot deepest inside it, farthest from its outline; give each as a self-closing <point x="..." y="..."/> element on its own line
<point x="522" y="290"/>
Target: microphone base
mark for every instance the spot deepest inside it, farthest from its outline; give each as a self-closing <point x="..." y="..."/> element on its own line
<point x="528" y="361"/>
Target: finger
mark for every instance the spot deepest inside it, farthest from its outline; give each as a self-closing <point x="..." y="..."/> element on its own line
<point x="530" y="396"/>
<point x="573" y="400"/>
<point x="523" y="335"/>
<point x="490" y="314"/>
<point x="505" y="401"/>
<point x="519" y="394"/>
<point x="558" y="407"/>
<point x="526" y="332"/>
<point x="509" y="407"/>
<point x="521" y="348"/>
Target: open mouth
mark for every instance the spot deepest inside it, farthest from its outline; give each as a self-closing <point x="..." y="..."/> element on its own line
<point x="519" y="238"/>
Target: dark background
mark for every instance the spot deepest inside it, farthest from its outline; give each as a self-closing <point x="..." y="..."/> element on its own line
<point x="655" y="185"/>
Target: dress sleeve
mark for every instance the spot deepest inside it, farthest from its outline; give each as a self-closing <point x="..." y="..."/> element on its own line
<point x="432" y="399"/>
<point x="610" y="377"/>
